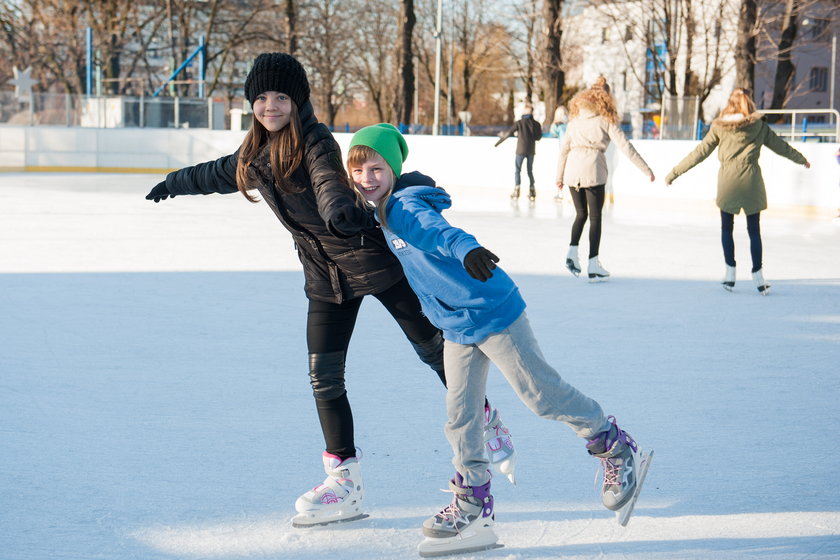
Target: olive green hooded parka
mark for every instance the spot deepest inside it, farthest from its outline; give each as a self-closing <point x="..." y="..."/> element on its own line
<point x="739" y="140"/>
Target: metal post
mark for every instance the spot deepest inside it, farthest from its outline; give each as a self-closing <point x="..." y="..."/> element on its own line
<point x="89" y="54"/>
<point x="662" y="118"/>
<point x="171" y="44"/>
<point x="832" y="76"/>
<point x="451" y="59"/>
<point x="438" y="31"/>
<point x="416" y="91"/>
<point x="697" y="118"/>
<point x="201" y="66"/>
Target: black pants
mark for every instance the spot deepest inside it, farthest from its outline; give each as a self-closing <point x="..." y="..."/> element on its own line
<point x="727" y="226"/>
<point x="329" y="328"/>
<point x="589" y="203"/>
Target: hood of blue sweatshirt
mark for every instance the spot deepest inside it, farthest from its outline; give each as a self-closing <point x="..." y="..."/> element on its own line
<point x="432" y="253"/>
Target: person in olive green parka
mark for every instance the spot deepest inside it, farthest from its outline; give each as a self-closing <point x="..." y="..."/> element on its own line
<point x="738" y="134"/>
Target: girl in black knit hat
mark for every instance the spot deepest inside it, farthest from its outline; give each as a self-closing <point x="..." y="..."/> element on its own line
<point x="295" y="165"/>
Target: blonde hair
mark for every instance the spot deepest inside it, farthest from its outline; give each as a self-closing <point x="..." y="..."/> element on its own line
<point x="598" y="99"/>
<point x="740" y="101"/>
<point x="357" y="156"/>
<point x="285" y="154"/>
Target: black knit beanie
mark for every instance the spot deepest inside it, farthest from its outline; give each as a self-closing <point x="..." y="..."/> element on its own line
<point x="277" y="72"/>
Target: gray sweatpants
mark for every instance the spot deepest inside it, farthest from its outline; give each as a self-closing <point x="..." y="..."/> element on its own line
<point x="517" y="355"/>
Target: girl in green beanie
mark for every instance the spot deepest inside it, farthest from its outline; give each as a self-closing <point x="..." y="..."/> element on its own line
<point x="482" y="315"/>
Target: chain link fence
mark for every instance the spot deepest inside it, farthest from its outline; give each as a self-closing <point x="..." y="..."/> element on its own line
<point x="111" y="112"/>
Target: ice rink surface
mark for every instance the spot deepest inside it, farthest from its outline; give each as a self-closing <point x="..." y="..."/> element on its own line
<point x="155" y="403"/>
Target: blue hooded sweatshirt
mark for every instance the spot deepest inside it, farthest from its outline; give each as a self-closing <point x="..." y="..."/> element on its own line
<point x="432" y="253"/>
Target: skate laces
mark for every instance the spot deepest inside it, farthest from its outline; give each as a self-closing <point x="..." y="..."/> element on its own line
<point x="611" y="465"/>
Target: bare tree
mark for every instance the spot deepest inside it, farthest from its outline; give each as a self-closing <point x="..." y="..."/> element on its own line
<point x="324" y="46"/>
<point x="783" y="82"/>
<point x="552" y="69"/>
<point x="668" y="30"/>
<point x="373" y="61"/>
<point x="405" y="63"/>
<point x="291" y="27"/>
<point x="522" y="48"/>
<point x="745" y="52"/>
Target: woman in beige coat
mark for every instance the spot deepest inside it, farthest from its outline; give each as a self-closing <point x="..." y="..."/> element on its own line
<point x="739" y="133"/>
<point x="583" y="168"/>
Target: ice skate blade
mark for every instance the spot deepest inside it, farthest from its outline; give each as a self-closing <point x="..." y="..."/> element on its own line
<point x="594" y="278"/>
<point x="473" y="539"/>
<point x="728" y="286"/>
<point x="623" y="515"/>
<point x="302" y="521"/>
<point x="570" y="264"/>
<point x="507" y="468"/>
<point x="764" y="290"/>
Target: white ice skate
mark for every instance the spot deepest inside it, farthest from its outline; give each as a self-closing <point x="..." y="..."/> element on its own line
<point x="465" y="525"/>
<point x="597" y="273"/>
<point x="729" y="278"/>
<point x="499" y="445"/>
<point x="572" y="260"/>
<point x="760" y="284"/>
<point x="337" y="499"/>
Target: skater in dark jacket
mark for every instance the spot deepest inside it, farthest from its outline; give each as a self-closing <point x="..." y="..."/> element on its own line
<point x="528" y="133"/>
<point x="295" y="165"/>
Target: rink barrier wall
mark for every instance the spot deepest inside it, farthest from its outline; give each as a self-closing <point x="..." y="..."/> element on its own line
<point x="455" y="161"/>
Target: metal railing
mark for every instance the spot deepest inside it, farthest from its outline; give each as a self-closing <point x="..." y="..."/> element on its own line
<point x="111" y="111"/>
<point x="795" y="124"/>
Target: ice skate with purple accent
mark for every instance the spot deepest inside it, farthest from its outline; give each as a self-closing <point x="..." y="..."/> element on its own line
<point x="465" y="525"/>
<point x="498" y="444"/>
<point x="339" y="498"/>
<point x="625" y="467"/>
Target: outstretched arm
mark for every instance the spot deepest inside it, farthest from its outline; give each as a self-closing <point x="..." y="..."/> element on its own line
<point x="617" y="136"/>
<point x="506" y="135"/>
<point x="701" y="152"/>
<point x="217" y="176"/>
<point x="775" y="143"/>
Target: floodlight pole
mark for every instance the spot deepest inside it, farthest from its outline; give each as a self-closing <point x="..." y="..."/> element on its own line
<point x="438" y="32"/>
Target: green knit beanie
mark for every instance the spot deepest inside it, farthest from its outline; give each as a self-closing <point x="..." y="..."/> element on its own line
<point x="387" y="141"/>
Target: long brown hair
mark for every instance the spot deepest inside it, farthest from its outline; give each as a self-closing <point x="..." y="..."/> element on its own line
<point x="356" y="157"/>
<point x="285" y="154"/>
<point x="740" y="101"/>
<point x="598" y="99"/>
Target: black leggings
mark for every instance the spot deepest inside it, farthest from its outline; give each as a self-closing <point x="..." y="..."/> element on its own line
<point x="727" y="225"/>
<point x="589" y="203"/>
<point x="329" y="327"/>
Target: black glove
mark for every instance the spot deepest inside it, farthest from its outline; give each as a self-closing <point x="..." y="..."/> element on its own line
<point x="159" y="192"/>
<point x="480" y="264"/>
<point x="348" y="220"/>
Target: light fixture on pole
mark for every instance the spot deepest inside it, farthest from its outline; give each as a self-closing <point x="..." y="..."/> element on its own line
<point x="438" y="32"/>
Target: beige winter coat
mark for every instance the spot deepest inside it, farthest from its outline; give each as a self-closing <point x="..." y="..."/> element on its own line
<point x="739" y="140"/>
<point x="582" y="162"/>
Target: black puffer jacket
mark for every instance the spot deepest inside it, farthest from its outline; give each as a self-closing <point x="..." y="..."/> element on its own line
<point x="336" y="269"/>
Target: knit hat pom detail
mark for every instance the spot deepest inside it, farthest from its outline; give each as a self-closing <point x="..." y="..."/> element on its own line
<point x="277" y="72"/>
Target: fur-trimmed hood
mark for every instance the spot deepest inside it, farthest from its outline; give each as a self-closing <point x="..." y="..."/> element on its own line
<point x="735" y="121"/>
